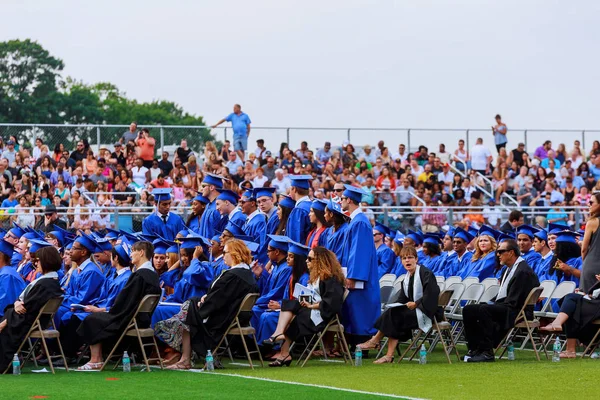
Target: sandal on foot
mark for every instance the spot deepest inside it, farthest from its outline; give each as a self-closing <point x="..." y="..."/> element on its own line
<point x="90" y="366"/>
<point x="568" y="354"/>
<point x="551" y="328"/>
<point x="384" y="360"/>
<point x="369" y="345"/>
<point x="179" y="365"/>
<point x="273" y="340"/>
<point x="280" y="362"/>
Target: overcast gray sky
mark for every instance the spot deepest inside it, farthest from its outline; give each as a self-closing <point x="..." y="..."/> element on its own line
<point x="334" y="63"/>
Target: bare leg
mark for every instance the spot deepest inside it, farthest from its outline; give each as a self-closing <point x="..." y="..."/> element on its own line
<point x="556" y="325"/>
<point x="186" y="348"/>
<point x="285" y="348"/>
<point x="240" y="154"/>
<point x="571" y="345"/>
<point x="392" y="343"/>
<point x="372" y="343"/>
<point x="96" y="353"/>
<point x="282" y="323"/>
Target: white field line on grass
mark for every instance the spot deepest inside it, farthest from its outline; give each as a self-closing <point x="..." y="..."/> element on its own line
<point x="395" y="396"/>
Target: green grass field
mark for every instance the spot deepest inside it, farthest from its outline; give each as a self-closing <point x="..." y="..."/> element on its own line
<point x="523" y="378"/>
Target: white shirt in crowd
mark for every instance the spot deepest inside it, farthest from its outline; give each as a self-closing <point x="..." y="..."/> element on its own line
<point x="479" y="157"/>
<point x="139" y="175"/>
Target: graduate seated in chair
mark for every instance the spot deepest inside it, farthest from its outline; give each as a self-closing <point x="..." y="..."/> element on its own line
<point x="313" y="312"/>
<point x="202" y="321"/>
<point x="415" y="307"/>
<point x="19" y="318"/>
<point x="11" y="283"/>
<point x="100" y="327"/>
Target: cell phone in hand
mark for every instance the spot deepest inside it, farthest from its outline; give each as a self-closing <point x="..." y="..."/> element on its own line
<point x="306" y="298"/>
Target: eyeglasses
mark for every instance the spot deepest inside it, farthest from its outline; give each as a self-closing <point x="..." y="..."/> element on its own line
<point x="270" y="250"/>
<point x="501" y="251"/>
<point x="309" y="259"/>
<point x="225" y="252"/>
<point x="377" y="234"/>
<point x="338" y="190"/>
<point x="344" y="198"/>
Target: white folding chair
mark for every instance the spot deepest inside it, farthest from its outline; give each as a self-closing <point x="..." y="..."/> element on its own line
<point x="385" y="290"/>
<point x="452" y="279"/>
<point x="440" y="279"/>
<point x="489" y="294"/>
<point x="457" y="291"/>
<point x="487" y="282"/>
<point x="470" y="281"/>
<point x="549" y="286"/>
<point x="560" y="291"/>
<point x="387" y="278"/>
<point x="471" y="295"/>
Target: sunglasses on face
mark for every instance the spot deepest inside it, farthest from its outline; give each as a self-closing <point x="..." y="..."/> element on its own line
<point x="501" y="251"/>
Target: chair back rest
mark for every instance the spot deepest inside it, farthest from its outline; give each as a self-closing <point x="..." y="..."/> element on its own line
<point x="458" y="289"/>
<point x="387" y="278"/>
<point x="442" y="286"/>
<point x="489" y="294"/>
<point x="51" y="306"/>
<point x="440" y="279"/>
<point x="548" y="287"/>
<point x="473" y="293"/>
<point x="385" y="292"/>
<point x="248" y="302"/>
<point x="488" y="282"/>
<point x="451" y="280"/>
<point x="444" y="298"/>
<point x="397" y="288"/>
<point x="563" y="289"/>
<point x="533" y="297"/>
<point x="400" y="278"/>
<point x="147" y="304"/>
<point x="470" y="281"/>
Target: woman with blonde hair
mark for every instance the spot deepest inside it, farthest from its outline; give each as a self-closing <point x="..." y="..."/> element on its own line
<point x="203" y="321"/>
<point x="326" y="281"/>
<point x="483" y="263"/>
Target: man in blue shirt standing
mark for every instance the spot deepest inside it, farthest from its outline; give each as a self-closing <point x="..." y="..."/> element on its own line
<point x="240" y="122"/>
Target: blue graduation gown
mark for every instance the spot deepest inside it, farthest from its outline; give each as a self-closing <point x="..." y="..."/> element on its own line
<point x="111" y="288"/>
<point x="458" y="265"/>
<point x="482" y="268"/>
<point x="194" y="282"/>
<point x="322" y="241"/>
<point x="398" y="268"/>
<point x="335" y="241"/>
<point x="219" y="266"/>
<point x="210" y="221"/>
<point x="272" y="223"/>
<point x="544" y="266"/>
<point x="533" y="258"/>
<point x="84" y="288"/>
<point x="25" y="270"/>
<point x="362" y="306"/>
<point x="298" y="223"/>
<point x="274" y="290"/>
<point x="154" y="225"/>
<point x="256" y="228"/>
<point x="446" y="262"/>
<point x="194" y="224"/>
<point x="269" y="318"/>
<point x="432" y="263"/>
<point x="575" y="263"/>
<point x="11" y="286"/>
<point x="15" y="260"/>
<point x="386" y="258"/>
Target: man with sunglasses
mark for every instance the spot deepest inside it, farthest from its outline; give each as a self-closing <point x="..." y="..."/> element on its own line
<point x="487" y="324"/>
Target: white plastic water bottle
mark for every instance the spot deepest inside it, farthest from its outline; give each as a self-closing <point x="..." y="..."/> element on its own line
<point x="210" y="362"/>
<point x="423" y="355"/>
<point x="556" y="350"/>
<point x="126" y="363"/>
<point x="358" y="356"/>
<point x="511" y="351"/>
<point x="16" y="364"/>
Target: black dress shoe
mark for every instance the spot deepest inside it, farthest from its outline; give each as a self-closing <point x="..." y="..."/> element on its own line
<point x="484" y="356"/>
<point x="470" y="354"/>
<point x="43" y="361"/>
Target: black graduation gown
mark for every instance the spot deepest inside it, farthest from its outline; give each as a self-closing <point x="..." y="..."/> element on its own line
<point x="98" y="327"/>
<point x="19" y="324"/>
<point x="219" y="308"/>
<point x="399" y="322"/>
<point x="332" y="297"/>
<point x="518" y="289"/>
<point x="579" y="324"/>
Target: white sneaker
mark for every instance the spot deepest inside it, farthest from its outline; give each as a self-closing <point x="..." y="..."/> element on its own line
<point x="595" y="355"/>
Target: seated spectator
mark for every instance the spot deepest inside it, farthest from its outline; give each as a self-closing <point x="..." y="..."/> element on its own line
<point x="418" y="305"/>
<point x="367" y="154"/>
<point x="542" y="152"/>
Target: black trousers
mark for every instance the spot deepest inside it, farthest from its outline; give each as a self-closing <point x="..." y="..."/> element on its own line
<point x="483" y="324"/>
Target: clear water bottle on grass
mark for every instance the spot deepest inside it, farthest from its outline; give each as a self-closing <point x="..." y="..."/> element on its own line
<point x="126" y="363"/>
<point x="556" y="350"/>
<point x="423" y="355"/>
<point x="510" y="351"/>
<point x="210" y="362"/>
<point x="358" y="356"/>
<point x="16" y="364"/>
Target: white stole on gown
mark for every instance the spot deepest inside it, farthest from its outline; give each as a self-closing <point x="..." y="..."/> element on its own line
<point x="423" y="320"/>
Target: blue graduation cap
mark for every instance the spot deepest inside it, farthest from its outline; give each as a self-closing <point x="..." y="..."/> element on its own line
<point x="228" y="195"/>
<point x="103" y="244"/>
<point x="432" y="238"/>
<point x="124" y="251"/>
<point x="173" y="248"/>
<point x="463" y="235"/>
<point x="147" y="237"/>
<point x="87" y="242"/>
<point x="488" y="231"/>
<point x="399" y="238"/>
<point x="160" y="246"/>
<point x="37" y="244"/>
<point x="301" y="181"/>
<point x="264" y="192"/>
<point x="287" y="202"/>
<point x="191" y="242"/>
<point x="216" y="238"/>
<point x="235" y="229"/>
<point x="279" y="242"/>
<point x="450" y="232"/>
<point x="68" y="243"/>
<point x="381" y="229"/>
<point x="16" y="230"/>
<point x="130" y="236"/>
<point x="416" y="237"/>
<point x="6" y="248"/>
<point x="32" y="235"/>
<point x="566" y="236"/>
<point x="162" y="194"/>
<point x="319" y="205"/>
<point x="200" y="198"/>
<point x="354" y="193"/>
<point x="502" y="236"/>
<point x="541" y="234"/>
<point x="112" y="234"/>
<point x="297" y="248"/>
<point x="473" y="231"/>
<point x="554" y="228"/>
<point x="526" y="230"/>
<point x="581" y="232"/>
<point x="249" y="195"/>
<point x="183" y="233"/>
<point x="212" y="179"/>
<point x="334" y="207"/>
<point x="252" y="246"/>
